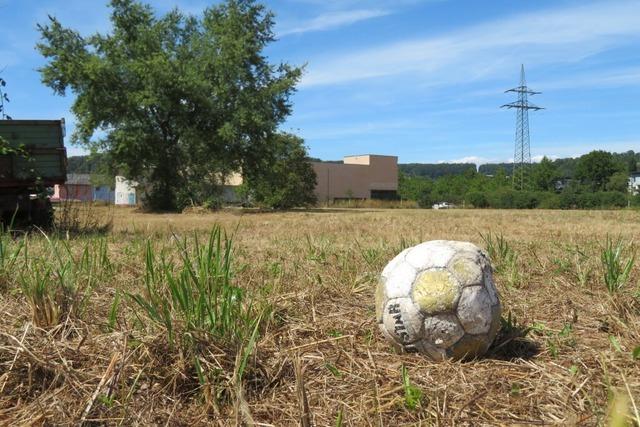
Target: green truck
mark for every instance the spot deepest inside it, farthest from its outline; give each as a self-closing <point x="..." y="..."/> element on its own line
<point x="32" y="160"/>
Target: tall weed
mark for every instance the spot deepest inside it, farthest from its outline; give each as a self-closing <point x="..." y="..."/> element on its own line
<point x="503" y="257"/>
<point x="617" y="268"/>
<point x="197" y="295"/>
<point x="57" y="282"/>
<point x="197" y="304"/>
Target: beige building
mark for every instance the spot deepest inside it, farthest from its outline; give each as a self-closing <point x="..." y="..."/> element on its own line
<point x="357" y="177"/>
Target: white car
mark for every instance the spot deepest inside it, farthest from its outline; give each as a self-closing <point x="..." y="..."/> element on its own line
<point x="443" y="205"/>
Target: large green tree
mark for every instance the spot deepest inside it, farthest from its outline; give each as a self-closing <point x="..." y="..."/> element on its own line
<point x="286" y="178"/>
<point x="177" y="101"/>
<point x="596" y="168"/>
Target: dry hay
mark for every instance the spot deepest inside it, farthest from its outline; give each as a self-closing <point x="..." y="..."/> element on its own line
<point x="321" y="358"/>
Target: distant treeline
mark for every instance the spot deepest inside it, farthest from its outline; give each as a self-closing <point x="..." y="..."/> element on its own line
<point x="595" y="180"/>
<point x="91" y="164"/>
<point x="565" y="166"/>
<point x="435" y="170"/>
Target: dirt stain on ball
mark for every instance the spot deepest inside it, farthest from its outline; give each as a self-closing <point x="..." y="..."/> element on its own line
<point x="435" y="291"/>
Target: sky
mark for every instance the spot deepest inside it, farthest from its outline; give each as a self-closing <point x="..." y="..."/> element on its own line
<point x="420" y="79"/>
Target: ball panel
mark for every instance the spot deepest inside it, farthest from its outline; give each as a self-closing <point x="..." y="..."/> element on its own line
<point x="442" y="330"/>
<point x="490" y="286"/>
<point x="474" y="310"/>
<point x="434" y="254"/>
<point x="394" y="262"/>
<point x="467" y="269"/>
<point x="469" y="347"/>
<point x="464" y="247"/>
<point x="496" y="312"/>
<point x="435" y="291"/>
<point x="402" y="320"/>
<point x="399" y="282"/>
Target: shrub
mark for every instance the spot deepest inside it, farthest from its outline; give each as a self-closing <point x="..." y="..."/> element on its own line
<point x="477" y="198"/>
<point x="612" y="199"/>
<point x="549" y="201"/>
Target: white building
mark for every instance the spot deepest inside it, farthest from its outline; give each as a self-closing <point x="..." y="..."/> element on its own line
<point x="634" y="183"/>
<point x="125" y="191"/>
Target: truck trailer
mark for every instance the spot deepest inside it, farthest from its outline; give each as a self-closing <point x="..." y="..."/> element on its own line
<point x="32" y="160"/>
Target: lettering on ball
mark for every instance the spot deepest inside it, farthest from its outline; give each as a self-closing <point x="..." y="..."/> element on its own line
<point x="399" y="328"/>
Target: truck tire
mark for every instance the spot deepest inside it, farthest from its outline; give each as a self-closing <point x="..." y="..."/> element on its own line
<point x="42" y="213"/>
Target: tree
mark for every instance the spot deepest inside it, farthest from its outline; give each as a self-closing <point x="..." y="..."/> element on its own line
<point x="183" y="101"/>
<point x="544" y="175"/>
<point x="595" y="169"/>
<point x="412" y="187"/>
<point x="286" y="179"/>
<point x="619" y="181"/>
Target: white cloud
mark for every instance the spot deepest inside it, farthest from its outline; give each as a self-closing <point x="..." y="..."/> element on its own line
<point x="469" y="159"/>
<point x="550" y="36"/>
<point x="538" y="158"/>
<point x="331" y="20"/>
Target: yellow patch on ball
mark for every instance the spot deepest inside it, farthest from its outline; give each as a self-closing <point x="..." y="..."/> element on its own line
<point x="435" y="291"/>
<point x="467" y="272"/>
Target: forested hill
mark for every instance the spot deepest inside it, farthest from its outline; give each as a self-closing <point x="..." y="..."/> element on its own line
<point x="435" y="170"/>
<point x="565" y="167"/>
<point x="93" y="164"/>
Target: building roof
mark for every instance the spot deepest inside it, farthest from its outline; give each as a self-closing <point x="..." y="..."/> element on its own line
<point x="370" y="155"/>
<point x="78" y="179"/>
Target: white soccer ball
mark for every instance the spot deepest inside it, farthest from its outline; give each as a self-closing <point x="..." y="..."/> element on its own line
<point x="438" y="299"/>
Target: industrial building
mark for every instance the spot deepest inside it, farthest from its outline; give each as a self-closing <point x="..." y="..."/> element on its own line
<point x="357" y="177"/>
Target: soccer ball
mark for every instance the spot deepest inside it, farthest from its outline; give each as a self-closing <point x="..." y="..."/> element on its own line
<point x="438" y="299"/>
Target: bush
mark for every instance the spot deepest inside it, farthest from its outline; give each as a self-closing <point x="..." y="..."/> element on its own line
<point x="588" y="201"/>
<point x="425" y="200"/>
<point x="507" y="198"/>
<point x="477" y="198"/>
<point x="549" y="201"/>
<point x="612" y="199"/>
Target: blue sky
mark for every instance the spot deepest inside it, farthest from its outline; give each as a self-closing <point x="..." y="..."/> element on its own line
<point x="422" y="80"/>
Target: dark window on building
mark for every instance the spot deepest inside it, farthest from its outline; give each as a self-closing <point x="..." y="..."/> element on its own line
<point x="384" y="194"/>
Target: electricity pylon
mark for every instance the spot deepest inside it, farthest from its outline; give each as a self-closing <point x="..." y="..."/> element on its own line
<point x="522" y="156"/>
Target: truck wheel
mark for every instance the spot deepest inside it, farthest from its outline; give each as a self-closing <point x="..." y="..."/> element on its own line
<point x="42" y="213"/>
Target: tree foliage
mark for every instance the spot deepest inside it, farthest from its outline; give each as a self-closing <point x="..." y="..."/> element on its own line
<point x="182" y="101"/>
<point x="596" y="168"/>
<point x="544" y="175"/>
<point x="286" y="179"/>
<point x="435" y="170"/>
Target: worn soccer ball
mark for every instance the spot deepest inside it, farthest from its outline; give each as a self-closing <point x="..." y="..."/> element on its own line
<point x="438" y="299"/>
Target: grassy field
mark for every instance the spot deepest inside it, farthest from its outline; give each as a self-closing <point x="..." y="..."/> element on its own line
<point x="165" y="321"/>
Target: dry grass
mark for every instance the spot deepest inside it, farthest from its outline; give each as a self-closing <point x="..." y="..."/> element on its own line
<point x="320" y="359"/>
